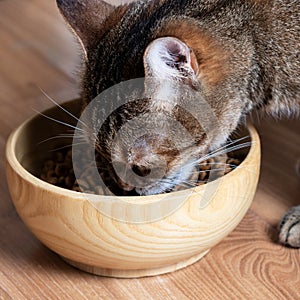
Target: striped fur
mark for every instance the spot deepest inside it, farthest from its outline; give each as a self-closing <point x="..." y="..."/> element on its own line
<point x="246" y="54"/>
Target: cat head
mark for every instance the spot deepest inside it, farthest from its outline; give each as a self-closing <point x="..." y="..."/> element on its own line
<point x="193" y="78"/>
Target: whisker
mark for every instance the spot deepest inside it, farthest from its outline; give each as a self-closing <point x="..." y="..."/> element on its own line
<point x="65" y="147"/>
<point x="246" y="168"/>
<point x="59" y="122"/>
<point x="62" y="136"/>
<point x="62" y="108"/>
<point x="179" y="184"/>
<point x="224" y="150"/>
<point x="215" y="163"/>
<point x="220" y="151"/>
<point x="234" y="148"/>
<point x="229" y="144"/>
<point x="211" y="170"/>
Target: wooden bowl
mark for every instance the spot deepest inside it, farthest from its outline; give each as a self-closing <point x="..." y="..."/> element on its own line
<point x="76" y="228"/>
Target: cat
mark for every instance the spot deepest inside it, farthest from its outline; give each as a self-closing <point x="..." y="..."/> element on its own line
<point x="240" y="56"/>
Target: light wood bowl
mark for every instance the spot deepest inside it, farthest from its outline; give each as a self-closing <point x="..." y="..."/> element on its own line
<point x="72" y="226"/>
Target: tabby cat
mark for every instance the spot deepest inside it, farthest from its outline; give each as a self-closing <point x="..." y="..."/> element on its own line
<point x="240" y="55"/>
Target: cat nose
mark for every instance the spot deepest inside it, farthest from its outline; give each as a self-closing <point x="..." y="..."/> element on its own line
<point x="145" y="161"/>
<point x="145" y="157"/>
<point x="141" y="171"/>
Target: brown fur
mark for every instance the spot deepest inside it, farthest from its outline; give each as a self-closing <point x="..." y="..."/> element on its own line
<point x="213" y="62"/>
<point x="245" y="55"/>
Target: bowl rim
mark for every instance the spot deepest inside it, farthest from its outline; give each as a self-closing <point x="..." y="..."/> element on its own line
<point x="14" y="163"/>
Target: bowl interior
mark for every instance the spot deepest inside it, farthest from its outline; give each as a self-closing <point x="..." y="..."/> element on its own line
<point x="52" y="130"/>
<point x="123" y="238"/>
<point x="45" y="133"/>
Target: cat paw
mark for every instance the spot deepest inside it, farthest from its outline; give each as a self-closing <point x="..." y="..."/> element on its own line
<point x="289" y="228"/>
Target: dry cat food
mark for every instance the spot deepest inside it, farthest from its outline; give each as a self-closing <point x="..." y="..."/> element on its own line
<point x="59" y="171"/>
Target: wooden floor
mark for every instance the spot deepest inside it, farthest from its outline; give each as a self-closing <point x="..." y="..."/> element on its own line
<point x="37" y="52"/>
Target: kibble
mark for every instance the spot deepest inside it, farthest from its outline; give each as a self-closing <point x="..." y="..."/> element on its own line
<point x="59" y="171"/>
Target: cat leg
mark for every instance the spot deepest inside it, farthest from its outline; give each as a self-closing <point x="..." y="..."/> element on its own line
<point x="289" y="228"/>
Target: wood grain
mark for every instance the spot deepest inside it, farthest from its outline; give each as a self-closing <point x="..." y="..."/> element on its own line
<point x="248" y="264"/>
<point x="106" y="235"/>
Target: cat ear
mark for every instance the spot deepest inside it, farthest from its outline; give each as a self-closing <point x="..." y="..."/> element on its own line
<point x="85" y="17"/>
<point x="170" y="58"/>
